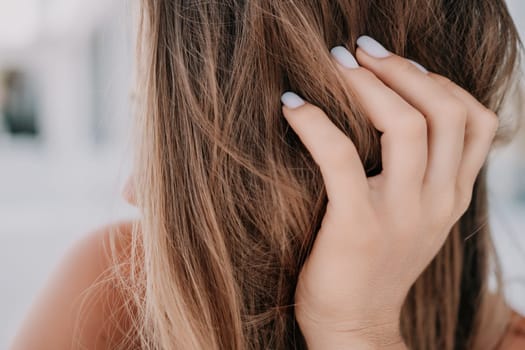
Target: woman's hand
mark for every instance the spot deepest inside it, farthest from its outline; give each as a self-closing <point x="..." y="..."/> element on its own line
<point x="380" y="233"/>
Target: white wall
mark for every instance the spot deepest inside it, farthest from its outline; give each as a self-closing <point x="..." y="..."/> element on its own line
<point x="54" y="191"/>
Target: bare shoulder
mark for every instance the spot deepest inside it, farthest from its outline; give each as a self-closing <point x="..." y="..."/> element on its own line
<point x="72" y="310"/>
<point x="515" y="336"/>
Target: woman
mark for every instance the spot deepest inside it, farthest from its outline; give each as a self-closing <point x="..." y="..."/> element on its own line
<point x="353" y="216"/>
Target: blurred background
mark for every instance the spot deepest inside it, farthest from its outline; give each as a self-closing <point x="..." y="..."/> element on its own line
<point x="66" y="76"/>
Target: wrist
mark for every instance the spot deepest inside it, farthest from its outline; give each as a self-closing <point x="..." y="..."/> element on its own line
<point x="386" y="336"/>
<point x="352" y="342"/>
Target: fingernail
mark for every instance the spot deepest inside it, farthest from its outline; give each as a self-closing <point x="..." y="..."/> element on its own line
<point x="372" y="47"/>
<point x="418" y="66"/>
<point x="291" y="100"/>
<point x="344" y="57"/>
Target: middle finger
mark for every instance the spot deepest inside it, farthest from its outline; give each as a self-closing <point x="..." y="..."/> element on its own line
<point x="446" y="114"/>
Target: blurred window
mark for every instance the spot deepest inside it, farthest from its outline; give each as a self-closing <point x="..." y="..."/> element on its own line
<point x="18" y="104"/>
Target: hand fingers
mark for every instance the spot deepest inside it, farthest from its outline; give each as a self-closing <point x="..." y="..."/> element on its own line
<point x="404" y="139"/>
<point x="482" y="124"/>
<point x="445" y="114"/>
<point x="340" y="165"/>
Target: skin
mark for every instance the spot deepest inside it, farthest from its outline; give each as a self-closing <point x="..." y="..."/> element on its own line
<point x="51" y="321"/>
<point x="378" y="233"/>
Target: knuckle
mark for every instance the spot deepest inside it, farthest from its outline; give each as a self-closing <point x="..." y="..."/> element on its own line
<point x="404" y="65"/>
<point x="443" y="81"/>
<point x="455" y="108"/>
<point x="463" y="200"/>
<point x="396" y="66"/>
<point x="413" y="124"/>
<point x="491" y="120"/>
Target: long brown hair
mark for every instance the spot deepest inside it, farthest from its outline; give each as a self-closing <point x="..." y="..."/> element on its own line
<point x="230" y="198"/>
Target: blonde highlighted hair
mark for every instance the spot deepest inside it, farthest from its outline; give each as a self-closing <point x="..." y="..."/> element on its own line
<point x="230" y="198"/>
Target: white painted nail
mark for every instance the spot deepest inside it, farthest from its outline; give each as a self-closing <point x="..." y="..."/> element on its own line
<point x="291" y="100"/>
<point x="372" y="47"/>
<point x="344" y="57"/>
<point x="418" y="66"/>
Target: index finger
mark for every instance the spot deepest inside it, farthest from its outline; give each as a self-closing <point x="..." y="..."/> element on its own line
<point x="343" y="173"/>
